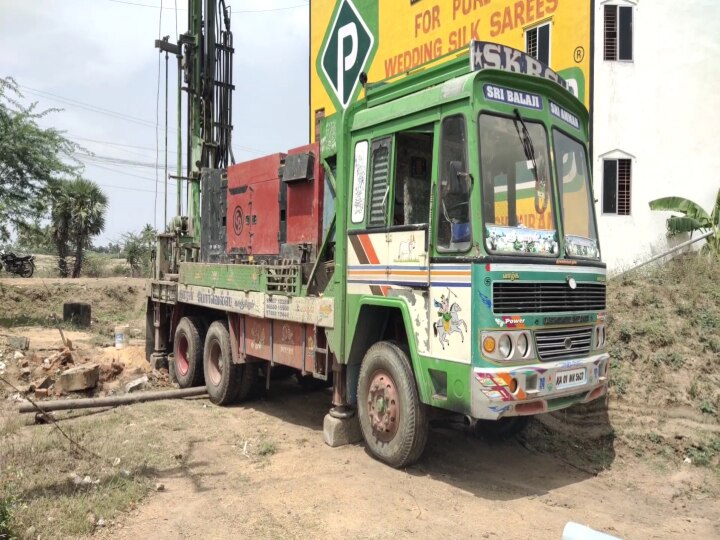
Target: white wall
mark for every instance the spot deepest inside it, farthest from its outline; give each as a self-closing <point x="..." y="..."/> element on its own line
<point x="663" y="108"/>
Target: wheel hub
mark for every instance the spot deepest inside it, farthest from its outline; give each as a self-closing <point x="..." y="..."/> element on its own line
<point x="383" y="406"/>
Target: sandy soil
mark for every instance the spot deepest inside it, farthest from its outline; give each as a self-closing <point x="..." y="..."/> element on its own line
<point x="463" y="487"/>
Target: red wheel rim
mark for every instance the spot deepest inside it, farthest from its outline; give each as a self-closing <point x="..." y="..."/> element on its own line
<point x="383" y="406"/>
<point x="181" y="361"/>
<point x="214" y="366"/>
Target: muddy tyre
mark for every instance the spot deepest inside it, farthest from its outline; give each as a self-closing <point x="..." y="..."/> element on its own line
<point x="503" y="429"/>
<point x="393" y="420"/>
<point x="28" y="269"/>
<point x="222" y="377"/>
<point x="187" y="367"/>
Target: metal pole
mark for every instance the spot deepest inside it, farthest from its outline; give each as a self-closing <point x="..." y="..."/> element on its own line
<point x="178" y="208"/>
<point x="665" y="254"/>
<point x="166" y="140"/>
<point x="112" y="401"/>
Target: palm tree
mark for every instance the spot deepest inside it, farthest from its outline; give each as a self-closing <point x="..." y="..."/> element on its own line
<point x="78" y="214"/>
<point x="694" y="218"/>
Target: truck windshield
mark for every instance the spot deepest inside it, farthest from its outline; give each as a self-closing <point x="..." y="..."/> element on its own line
<point x="516" y="187"/>
<point x="574" y="185"/>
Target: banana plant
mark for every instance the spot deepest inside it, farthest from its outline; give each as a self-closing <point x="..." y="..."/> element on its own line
<point x="693" y="218"/>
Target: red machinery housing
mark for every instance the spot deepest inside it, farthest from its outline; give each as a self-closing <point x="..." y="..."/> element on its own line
<point x="275" y="205"/>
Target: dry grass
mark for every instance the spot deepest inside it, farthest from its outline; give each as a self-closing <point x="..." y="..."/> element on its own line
<point x="664" y="331"/>
<point x="129" y="448"/>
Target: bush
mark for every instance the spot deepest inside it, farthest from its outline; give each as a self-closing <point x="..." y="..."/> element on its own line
<point x="6" y="532"/>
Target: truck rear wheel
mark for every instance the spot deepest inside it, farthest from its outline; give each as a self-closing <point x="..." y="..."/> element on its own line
<point x="393" y="420"/>
<point x="187" y="367"/>
<point x="222" y="377"/>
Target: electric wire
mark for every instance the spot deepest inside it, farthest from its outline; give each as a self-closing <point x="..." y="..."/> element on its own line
<point x="234" y="10"/>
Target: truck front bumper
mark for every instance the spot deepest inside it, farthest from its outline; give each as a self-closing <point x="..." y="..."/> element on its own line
<point x="538" y="388"/>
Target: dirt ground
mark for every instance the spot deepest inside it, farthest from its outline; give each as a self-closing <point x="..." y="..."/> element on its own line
<point x="463" y="488"/>
<point x="629" y="468"/>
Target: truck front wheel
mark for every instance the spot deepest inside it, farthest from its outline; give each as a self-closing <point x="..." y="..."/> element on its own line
<point x="187" y="366"/>
<point x="393" y="420"/>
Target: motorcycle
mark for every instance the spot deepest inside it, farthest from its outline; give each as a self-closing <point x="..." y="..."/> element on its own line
<point x="22" y="266"/>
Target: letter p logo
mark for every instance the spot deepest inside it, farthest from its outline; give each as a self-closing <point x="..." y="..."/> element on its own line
<point x="347" y="49"/>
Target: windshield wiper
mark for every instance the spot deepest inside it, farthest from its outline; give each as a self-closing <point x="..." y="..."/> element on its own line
<point x="529" y="150"/>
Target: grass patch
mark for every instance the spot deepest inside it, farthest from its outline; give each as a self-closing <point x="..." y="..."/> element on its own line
<point x="267" y="448"/>
<point x="6" y="509"/>
<point x="673" y="360"/>
<point x="132" y="447"/>
<point x="705" y="454"/>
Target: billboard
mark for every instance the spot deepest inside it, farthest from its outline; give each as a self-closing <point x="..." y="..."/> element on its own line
<point x="386" y="39"/>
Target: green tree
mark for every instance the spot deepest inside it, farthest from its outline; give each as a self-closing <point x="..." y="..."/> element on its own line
<point x="694" y="218"/>
<point x="138" y="249"/>
<point x="78" y="214"/>
<point x="33" y="160"/>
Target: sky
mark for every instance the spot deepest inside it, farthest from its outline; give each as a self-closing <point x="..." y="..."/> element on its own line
<point x="96" y="60"/>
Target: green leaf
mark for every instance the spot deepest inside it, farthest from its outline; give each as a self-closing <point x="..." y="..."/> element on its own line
<point x="681" y="205"/>
<point x="677" y="225"/>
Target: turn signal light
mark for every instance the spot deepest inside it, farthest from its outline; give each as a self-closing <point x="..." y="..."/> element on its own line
<point x="489" y="344"/>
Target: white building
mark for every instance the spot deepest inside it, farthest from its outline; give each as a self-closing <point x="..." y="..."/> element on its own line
<point x="656" y="118"/>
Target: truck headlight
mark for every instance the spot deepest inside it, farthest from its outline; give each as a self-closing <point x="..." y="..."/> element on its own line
<point x="505" y="346"/>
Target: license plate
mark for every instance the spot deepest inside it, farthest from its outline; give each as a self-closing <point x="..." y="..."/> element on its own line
<point x="569" y="378"/>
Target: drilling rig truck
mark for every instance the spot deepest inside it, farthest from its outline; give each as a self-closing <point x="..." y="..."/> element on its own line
<point x="436" y="248"/>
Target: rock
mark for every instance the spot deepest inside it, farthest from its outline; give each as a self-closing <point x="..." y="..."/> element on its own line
<point x="18" y="355"/>
<point x="116" y="462"/>
<point x="79" y="378"/>
<point x="41" y="393"/>
<point x="25" y="373"/>
<point x="3" y="367"/>
<point x="24" y="363"/>
<point x="137" y="384"/>
<point x="159" y="487"/>
<point x="77" y="480"/>
<point x="100" y="522"/>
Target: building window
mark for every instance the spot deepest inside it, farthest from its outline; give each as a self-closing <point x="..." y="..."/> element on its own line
<point x="537" y="43"/>
<point x="618" y="33"/>
<point x="616" y="186"/>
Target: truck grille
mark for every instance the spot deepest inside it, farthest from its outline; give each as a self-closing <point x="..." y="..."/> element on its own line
<point x="523" y="297"/>
<point x="564" y="343"/>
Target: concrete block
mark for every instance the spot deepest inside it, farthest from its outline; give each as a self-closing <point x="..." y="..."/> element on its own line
<point x="339" y="432"/>
<point x="79" y="378"/>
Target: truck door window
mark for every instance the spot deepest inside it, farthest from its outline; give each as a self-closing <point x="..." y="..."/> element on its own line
<point x="454" y="232"/>
<point x="380" y="187"/>
<point x="413" y="163"/>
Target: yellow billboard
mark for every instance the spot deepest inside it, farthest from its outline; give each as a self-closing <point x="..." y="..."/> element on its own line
<point x="389" y="38"/>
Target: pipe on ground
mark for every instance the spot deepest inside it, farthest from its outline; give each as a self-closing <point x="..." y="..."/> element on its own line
<point x="112" y="401"/>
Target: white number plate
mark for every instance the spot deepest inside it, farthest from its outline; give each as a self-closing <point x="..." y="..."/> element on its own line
<point x="569" y="378"/>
